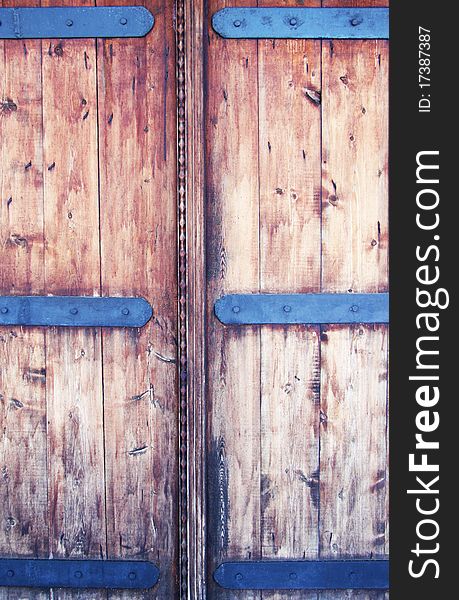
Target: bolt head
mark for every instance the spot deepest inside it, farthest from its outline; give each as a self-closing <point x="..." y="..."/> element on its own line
<point x="78" y="574"/>
<point x="125" y="311"/>
<point x="355" y="22"/>
<point x="132" y="575"/>
<point x="69" y="22"/>
<point x="237" y="23"/>
<point x="287" y="308"/>
<point x="123" y="21"/>
<point x="293" y="21"/>
<point x="236" y="309"/>
<point x="354" y="308"/>
<point x="74" y="311"/>
<point x="3" y="310"/>
<point x="10" y="573"/>
<point x="239" y="576"/>
<point x="293" y="575"/>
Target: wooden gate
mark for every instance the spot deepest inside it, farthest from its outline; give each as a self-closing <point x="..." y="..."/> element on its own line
<point x="184" y="168"/>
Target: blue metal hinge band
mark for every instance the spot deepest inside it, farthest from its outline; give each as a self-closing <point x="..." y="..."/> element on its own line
<point x="74" y="311"/>
<point x="81" y="574"/>
<point x="75" y="22"/>
<point x="291" y="23"/>
<point x="307" y="309"/>
<point x="304" y="575"/>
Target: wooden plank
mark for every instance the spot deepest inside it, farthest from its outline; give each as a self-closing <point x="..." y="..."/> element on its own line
<point x="232" y="265"/>
<point x="289" y="80"/>
<point x="193" y="214"/>
<point x="353" y="474"/>
<point x="23" y="464"/>
<point x="137" y="137"/>
<point x="72" y="266"/>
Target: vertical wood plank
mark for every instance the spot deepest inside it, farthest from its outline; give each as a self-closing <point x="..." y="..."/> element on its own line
<point x="72" y="266"/>
<point x="137" y="134"/>
<point x="232" y="265"/>
<point x="194" y="207"/>
<point x="23" y="464"/>
<point x="290" y="187"/>
<point x="353" y="471"/>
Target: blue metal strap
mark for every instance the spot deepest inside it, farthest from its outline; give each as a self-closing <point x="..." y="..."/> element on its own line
<point x="308" y="309"/>
<point x="319" y="23"/>
<point x="74" y="311"/>
<point x="107" y="574"/>
<point x="304" y="575"/>
<point x="75" y="22"/>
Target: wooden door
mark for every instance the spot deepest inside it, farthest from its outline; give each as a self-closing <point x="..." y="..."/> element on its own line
<point x="182" y="167"/>
<point x="294" y="172"/>
<point x="88" y="455"/>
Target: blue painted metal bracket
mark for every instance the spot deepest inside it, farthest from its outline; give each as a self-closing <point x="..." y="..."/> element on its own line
<point x="291" y="23"/>
<point x="304" y="575"/>
<point x="74" y="311"/>
<point x="75" y="22"/>
<point x="307" y="309"/>
<point x="106" y="574"/>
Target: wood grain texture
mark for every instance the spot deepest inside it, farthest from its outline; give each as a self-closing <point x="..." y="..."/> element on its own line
<point x="137" y="137"/>
<point x="289" y="81"/>
<point x="72" y="266"/>
<point x="353" y="472"/>
<point x="232" y="265"/>
<point x="195" y="207"/>
<point x="23" y="463"/>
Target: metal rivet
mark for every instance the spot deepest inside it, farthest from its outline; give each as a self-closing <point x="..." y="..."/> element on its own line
<point x="3" y="310"/>
<point x="78" y="574"/>
<point x="10" y="573"/>
<point x="125" y="311"/>
<point x="293" y="22"/>
<point x="354" y="308"/>
<point x="132" y="576"/>
<point x="355" y="22"/>
<point x="239" y="576"/>
<point x="236" y="309"/>
<point x="237" y="23"/>
<point x="74" y="311"/>
<point x="293" y="575"/>
<point x="69" y="22"/>
<point x="287" y="308"/>
<point x="123" y="21"/>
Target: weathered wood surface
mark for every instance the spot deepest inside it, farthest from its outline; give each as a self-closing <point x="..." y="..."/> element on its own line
<point x="23" y="457"/>
<point x="353" y="472"/>
<point x="232" y="264"/>
<point x="289" y="76"/>
<point x="138" y="174"/>
<point x="88" y="172"/>
<point x="316" y="196"/>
